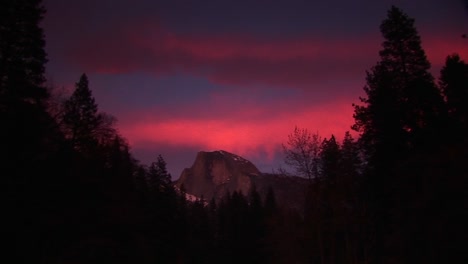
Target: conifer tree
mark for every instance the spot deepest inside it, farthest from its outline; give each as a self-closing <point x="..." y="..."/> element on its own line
<point x="350" y="157"/>
<point x="82" y="123"/>
<point x="352" y="200"/>
<point x="402" y="99"/>
<point x="330" y="159"/>
<point x="30" y="161"/>
<point x="159" y="177"/>
<point x="451" y="177"/>
<point x="400" y="116"/>
<point x="22" y="54"/>
<point x="25" y="122"/>
<point x="454" y="85"/>
<point x="270" y="203"/>
<point x="81" y="114"/>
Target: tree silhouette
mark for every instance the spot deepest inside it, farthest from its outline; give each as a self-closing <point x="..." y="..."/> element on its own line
<point x="160" y="178"/>
<point x="454" y="85"/>
<point x="399" y="123"/>
<point x="402" y="99"/>
<point x="83" y="125"/>
<point x="351" y="201"/>
<point x="330" y="157"/>
<point x="72" y="191"/>
<point x="351" y="163"/>
<point x="31" y="156"/>
<point x="22" y="54"/>
<point x="302" y="153"/>
<point x="271" y="206"/>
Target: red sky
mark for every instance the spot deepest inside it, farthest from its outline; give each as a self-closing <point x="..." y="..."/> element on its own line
<point x="181" y="76"/>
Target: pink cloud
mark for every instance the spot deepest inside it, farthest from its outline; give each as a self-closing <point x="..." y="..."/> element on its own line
<point x="225" y="59"/>
<point x="242" y="59"/>
<point x="301" y="62"/>
<point x="236" y="132"/>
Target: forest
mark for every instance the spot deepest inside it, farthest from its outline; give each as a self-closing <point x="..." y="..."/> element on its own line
<point x="73" y="192"/>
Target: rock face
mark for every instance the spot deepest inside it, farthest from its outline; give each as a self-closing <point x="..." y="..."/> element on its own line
<point x="213" y="174"/>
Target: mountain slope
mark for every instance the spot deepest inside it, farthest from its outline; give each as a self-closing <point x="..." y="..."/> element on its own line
<point x="214" y="174"/>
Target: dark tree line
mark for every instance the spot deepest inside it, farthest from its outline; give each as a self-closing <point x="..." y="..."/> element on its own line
<point x="396" y="195"/>
<point x="413" y="134"/>
<point x="333" y="226"/>
<point x="73" y="193"/>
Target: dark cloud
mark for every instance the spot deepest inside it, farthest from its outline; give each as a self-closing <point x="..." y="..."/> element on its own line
<point x="238" y="60"/>
<point x="183" y="75"/>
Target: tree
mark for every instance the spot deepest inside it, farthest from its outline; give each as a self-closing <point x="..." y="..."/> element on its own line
<point x="330" y="160"/>
<point x="25" y="122"/>
<point x="350" y="157"/>
<point x="351" y="202"/>
<point x="302" y="152"/>
<point x="80" y="114"/>
<point x="140" y="181"/>
<point x="31" y="155"/>
<point x="402" y="99"/>
<point x="256" y="226"/>
<point x="159" y="177"/>
<point x="399" y="121"/>
<point x="83" y="125"/>
<point x="454" y="84"/>
<point x="22" y="54"/>
<point x="119" y="165"/>
<point x="270" y="203"/>
<point x="449" y="170"/>
<point x="161" y="189"/>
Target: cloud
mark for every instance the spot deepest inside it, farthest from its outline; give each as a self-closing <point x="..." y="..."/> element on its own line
<point x="182" y="78"/>
<point x="237" y="59"/>
<point x="236" y="131"/>
<point x="240" y="59"/>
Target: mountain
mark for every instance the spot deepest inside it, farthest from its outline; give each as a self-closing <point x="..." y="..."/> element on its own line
<point x="214" y="174"/>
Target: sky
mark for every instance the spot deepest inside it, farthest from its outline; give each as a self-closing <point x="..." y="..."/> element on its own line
<point x="184" y="76"/>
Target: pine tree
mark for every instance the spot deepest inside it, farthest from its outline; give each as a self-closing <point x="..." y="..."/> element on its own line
<point x="270" y="203"/>
<point x="82" y="123"/>
<point x="81" y="115"/>
<point x="454" y="85"/>
<point x="31" y="157"/>
<point x="25" y="123"/>
<point x="449" y="169"/>
<point x="330" y="158"/>
<point x="352" y="200"/>
<point x="350" y="157"/>
<point x="331" y="199"/>
<point x="402" y="99"/>
<point x="22" y="54"/>
<point x="159" y="177"/>
<point x="399" y="119"/>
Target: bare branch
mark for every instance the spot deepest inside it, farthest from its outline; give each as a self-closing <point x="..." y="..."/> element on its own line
<point x="302" y="152"/>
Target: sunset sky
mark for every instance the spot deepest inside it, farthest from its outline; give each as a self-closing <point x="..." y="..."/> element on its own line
<point x="184" y="76"/>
